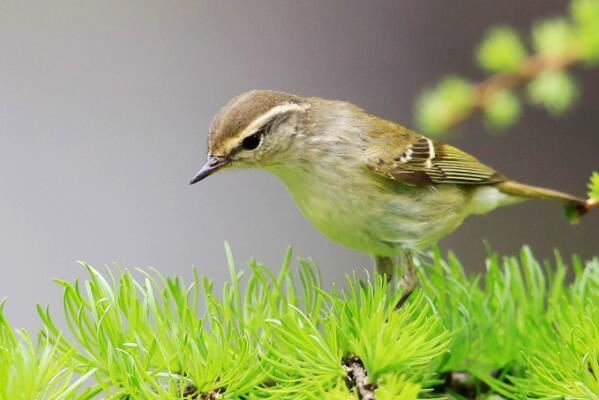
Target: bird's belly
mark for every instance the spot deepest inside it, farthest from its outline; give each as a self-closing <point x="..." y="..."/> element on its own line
<point x="374" y="219"/>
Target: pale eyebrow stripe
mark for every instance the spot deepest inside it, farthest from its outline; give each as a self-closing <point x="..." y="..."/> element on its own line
<point x="258" y="122"/>
<point x="270" y="114"/>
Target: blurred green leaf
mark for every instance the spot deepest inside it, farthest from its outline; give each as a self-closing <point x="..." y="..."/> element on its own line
<point x="503" y="109"/>
<point x="585" y="14"/>
<point x="501" y="50"/>
<point x="594" y="186"/>
<point x="438" y="107"/>
<point x="555" y="90"/>
<point x="553" y="37"/>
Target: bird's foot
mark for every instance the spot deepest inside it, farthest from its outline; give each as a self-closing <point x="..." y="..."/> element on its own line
<point x="408" y="282"/>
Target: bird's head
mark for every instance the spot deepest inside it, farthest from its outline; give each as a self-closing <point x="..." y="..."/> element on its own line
<point x="256" y="129"/>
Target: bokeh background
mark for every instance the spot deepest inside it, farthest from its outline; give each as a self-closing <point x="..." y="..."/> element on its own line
<point x="105" y="108"/>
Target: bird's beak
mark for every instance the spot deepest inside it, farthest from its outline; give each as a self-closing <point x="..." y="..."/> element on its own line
<point x="212" y="165"/>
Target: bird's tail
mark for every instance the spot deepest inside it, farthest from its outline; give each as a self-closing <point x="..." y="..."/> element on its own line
<point x="574" y="207"/>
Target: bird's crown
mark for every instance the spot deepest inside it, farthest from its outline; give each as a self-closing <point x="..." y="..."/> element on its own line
<point x="245" y="115"/>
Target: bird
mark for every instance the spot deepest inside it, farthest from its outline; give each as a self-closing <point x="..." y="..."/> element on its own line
<point x="365" y="182"/>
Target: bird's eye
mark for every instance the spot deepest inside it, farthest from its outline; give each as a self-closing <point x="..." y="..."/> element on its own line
<point x="253" y="141"/>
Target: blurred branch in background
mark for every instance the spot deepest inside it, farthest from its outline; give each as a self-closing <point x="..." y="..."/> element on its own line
<point x="542" y="76"/>
<point x="557" y="44"/>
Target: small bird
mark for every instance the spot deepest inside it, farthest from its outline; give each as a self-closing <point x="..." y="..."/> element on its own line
<point x="363" y="181"/>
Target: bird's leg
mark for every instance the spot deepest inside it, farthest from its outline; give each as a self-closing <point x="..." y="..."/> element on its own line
<point x="409" y="280"/>
<point x="384" y="266"/>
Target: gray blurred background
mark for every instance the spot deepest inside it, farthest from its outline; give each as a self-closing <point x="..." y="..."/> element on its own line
<point x="105" y="108"/>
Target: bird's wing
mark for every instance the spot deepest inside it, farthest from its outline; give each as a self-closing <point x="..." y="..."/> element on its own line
<point x="410" y="158"/>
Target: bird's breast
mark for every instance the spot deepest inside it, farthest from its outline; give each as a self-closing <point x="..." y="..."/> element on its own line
<point x="355" y="208"/>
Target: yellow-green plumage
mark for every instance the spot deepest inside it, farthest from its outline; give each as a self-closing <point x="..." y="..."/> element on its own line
<point x="363" y="181"/>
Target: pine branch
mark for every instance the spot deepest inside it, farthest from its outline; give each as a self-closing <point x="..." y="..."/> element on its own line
<point x="214" y="395"/>
<point x="357" y="378"/>
<point x="593" y="200"/>
<point x="191" y="392"/>
<point x="557" y="44"/>
<point x="532" y="67"/>
<point x="145" y="339"/>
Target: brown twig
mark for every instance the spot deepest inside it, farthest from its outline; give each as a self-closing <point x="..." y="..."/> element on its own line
<point x="530" y="68"/>
<point x="357" y="377"/>
<point x="191" y="392"/>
